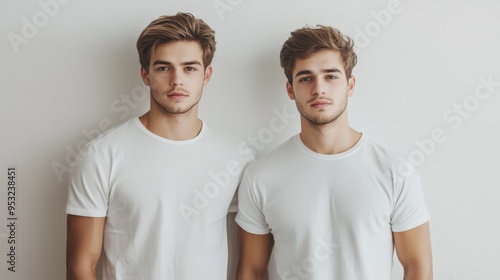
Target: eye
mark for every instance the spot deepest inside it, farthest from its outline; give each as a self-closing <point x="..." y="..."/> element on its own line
<point x="162" y="69"/>
<point x="304" y="79"/>
<point x="190" y="69"/>
<point x="331" y="77"/>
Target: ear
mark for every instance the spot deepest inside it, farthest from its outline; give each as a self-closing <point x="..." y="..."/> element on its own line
<point x="351" y="82"/>
<point x="208" y="75"/>
<point x="145" y="76"/>
<point x="289" y="90"/>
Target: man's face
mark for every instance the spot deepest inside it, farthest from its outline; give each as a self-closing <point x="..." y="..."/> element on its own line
<point x="320" y="87"/>
<point x="176" y="77"/>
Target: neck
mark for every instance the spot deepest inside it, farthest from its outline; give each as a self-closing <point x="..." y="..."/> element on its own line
<point x="333" y="138"/>
<point x="173" y="127"/>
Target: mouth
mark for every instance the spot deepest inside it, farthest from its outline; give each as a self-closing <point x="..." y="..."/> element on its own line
<point x="320" y="104"/>
<point x="177" y="95"/>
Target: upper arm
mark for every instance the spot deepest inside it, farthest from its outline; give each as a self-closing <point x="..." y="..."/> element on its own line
<point x="255" y="253"/>
<point x="84" y="244"/>
<point x="413" y="248"/>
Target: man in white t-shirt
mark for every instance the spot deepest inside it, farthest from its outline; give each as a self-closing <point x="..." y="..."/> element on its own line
<point x="150" y="197"/>
<point x="329" y="203"/>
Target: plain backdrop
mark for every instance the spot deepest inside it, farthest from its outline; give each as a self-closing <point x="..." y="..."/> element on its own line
<point x="428" y="87"/>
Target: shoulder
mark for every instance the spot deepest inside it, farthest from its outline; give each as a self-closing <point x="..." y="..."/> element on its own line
<point x="388" y="159"/>
<point x="226" y="143"/>
<point x="113" y="133"/>
<point x="276" y="160"/>
<point x="221" y="135"/>
<point x="108" y="139"/>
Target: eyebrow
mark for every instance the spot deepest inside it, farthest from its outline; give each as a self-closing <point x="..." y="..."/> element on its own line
<point x="162" y="62"/>
<point x="308" y="72"/>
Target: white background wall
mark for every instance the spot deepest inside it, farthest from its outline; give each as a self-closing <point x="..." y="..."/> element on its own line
<point x="75" y="72"/>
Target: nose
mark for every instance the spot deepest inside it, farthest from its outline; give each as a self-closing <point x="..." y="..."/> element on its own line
<point x="176" y="78"/>
<point x="318" y="87"/>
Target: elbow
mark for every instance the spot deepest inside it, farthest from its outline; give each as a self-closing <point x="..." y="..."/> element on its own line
<point x="77" y="270"/>
<point x="251" y="274"/>
<point x="418" y="272"/>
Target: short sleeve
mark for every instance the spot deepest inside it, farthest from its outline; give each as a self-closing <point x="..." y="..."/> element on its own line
<point x="250" y="215"/>
<point x="409" y="209"/>
<point x="88" y="185"/>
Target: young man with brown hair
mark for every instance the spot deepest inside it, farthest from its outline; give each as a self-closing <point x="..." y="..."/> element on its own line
<point x="151" y="196"/>
<point x="329" y="203"/>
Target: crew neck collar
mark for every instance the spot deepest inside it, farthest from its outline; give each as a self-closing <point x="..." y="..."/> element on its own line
<point x="146" y="131"/>
<point x="338" y="156"/>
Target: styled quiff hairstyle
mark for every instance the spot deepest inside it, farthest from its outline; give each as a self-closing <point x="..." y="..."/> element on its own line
<point x="180" y="27"/>
<point x="307" y="41"/>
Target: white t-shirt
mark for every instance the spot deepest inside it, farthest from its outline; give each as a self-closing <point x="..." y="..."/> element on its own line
<point x="165" y="201"/>
<point x="331" y="216"/>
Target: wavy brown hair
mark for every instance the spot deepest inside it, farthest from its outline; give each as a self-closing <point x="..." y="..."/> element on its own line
<point x="307" y="41"/>
<point x="179" y="27"/>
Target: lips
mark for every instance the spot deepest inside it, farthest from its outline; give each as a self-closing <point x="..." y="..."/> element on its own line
<point x="321" y="103"/>
<point x="177" y="95"/>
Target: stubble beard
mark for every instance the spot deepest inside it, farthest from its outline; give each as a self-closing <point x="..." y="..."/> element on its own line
<point x="174" y="110"/>
<point x="321" y="120"/>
